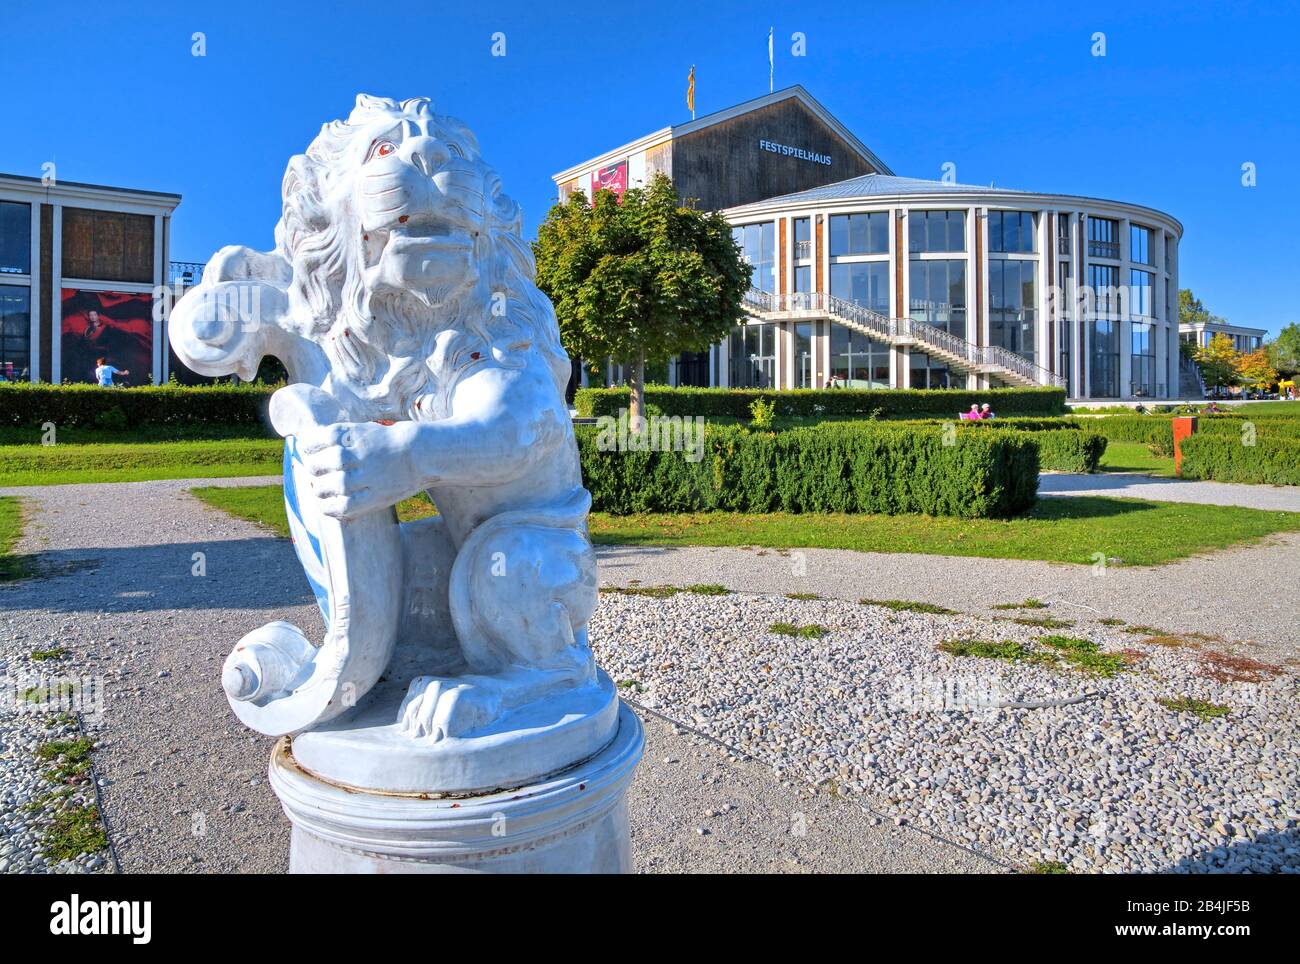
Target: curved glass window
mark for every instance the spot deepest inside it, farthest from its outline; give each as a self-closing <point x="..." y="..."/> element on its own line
<point x="863" y="282"/>
<point x="857" y="361"/>
<point x="751" y="356"/>
<point x="938" y="294"/>
<point x="936" y="231"/>
<point x="1011" y="232"/>
<point x="860" y="233"/>
<point x="758" y="242"/>
<point x="1012" y="305"/>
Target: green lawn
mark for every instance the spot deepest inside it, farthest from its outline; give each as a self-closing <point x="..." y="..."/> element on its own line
<point x="1058" y="530"/>
<point x="69" y="461"/>
<point x="1134" y="457"/>
<point x="11" y="527"/>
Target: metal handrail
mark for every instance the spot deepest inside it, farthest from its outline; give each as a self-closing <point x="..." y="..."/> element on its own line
<point x="874" y="323"/>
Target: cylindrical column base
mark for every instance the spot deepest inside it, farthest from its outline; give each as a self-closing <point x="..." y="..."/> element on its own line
<point x="571" y="822"/>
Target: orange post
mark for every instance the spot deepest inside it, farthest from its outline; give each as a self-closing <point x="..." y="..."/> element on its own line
<point x="1184" y="426"/>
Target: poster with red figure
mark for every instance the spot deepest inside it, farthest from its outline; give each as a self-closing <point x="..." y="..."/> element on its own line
<point x="612" y="178"/>
<point x="114" y="325"/>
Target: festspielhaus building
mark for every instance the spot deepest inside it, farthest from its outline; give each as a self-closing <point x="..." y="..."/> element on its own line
<point x="866" y="279"/>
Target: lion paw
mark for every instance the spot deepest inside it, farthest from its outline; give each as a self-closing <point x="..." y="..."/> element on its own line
<point x="436" y="708"/>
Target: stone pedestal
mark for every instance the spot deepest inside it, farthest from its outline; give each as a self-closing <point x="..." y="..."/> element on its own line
<point x="574" y="821"/>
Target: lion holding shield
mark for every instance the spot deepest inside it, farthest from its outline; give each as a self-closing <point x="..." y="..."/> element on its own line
<point x="422" y="358"/>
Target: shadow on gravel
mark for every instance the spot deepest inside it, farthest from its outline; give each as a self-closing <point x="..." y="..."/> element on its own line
<point x="236" y="574"/>
<point x="1049" y="484"/>
<point x="1266" y="854"/>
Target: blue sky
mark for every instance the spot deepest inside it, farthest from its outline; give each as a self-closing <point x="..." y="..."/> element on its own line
<point x="1010" y="92"/>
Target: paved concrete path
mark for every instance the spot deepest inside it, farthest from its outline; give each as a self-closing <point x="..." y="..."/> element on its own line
<point x="186" y="788"/>
<point x="1128" y="485"/>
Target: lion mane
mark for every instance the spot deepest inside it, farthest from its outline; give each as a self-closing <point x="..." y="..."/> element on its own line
<point x="383" y="346"/>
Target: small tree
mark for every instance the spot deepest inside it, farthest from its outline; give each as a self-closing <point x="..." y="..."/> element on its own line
<point x="1256" y="369"/>
<point x="639" y="279"/>
<point x="1218" y="361"/>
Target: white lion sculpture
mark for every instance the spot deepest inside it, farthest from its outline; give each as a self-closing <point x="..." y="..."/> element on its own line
<point x="421" y="358"/>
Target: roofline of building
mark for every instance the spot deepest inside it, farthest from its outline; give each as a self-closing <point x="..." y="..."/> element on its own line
<point x="1223" y="326"/>
<point x="675" y="131"/>
<point x="991" y="197"/>
<point x="35" y="184"/>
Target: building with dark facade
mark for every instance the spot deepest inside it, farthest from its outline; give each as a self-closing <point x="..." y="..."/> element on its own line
<point x="865" y="279"/>
<point x="80" y="268"/>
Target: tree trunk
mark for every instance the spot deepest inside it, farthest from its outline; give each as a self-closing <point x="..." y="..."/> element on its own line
<point x="636" y="382"/>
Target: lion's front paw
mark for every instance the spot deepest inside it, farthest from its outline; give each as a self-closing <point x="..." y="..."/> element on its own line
<point x="436" y="707"/>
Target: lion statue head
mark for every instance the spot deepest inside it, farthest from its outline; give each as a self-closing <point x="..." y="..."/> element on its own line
<point x="400" y="258"/>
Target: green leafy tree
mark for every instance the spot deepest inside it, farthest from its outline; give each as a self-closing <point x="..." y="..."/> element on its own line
<point x="1284" y="350"/>
<point x="639" y="279"/>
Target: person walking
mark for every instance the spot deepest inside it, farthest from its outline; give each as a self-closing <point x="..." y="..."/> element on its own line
<point x="104" y="373"/>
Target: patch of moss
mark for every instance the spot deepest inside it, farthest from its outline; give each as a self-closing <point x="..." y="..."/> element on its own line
<point x="74" y="832"/>
<point x="904" y="605"/>
<point x="71" y="758"/>
<point x="1030" y="603"/>
<point x="708" y="589"/>
<point x="811" y="631"/>
<point x="1086" y="655"/>
<point x="57" y="652"/>
<point x="654" y="592"/>
<point x="1111" y="621"/>
<point x="802" y="595"/>
<point x="1202" y="709"/>
<point x="1006" y="649"/>
<point x="1048" y="867"/>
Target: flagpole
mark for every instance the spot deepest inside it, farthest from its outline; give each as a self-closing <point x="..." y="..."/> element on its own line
<point x="771" y="63"/>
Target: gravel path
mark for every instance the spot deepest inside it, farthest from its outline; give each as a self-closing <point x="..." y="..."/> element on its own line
<point x="1247" y="595"/>
<point x="183" y="783"/>
<point x="1128" y="485"/>
<point x="1110" y="781"/>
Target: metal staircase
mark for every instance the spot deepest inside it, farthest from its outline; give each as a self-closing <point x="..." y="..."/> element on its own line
<point x="959" y="353"/>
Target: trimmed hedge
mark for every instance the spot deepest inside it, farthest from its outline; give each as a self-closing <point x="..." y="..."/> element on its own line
<point x="89" y="406"/>
<point x="828" y="468"/>
<point x="882" y="402"/>
<point x="1152" y="431"/>
<point x="1069" y="451"/>
<point x="1224" y="458"/>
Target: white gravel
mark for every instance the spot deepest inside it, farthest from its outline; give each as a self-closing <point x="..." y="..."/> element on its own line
<point x="1116" y="783"/>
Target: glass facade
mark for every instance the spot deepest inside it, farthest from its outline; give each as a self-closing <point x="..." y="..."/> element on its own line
<point x="15" y="238"/>
<point x="15" y="332"/>
<point x="802" y="241"/>
<point x="1103" y="279"/>
<point x="927" y="372"/>
<point x="931" y="231"/>
<point x="752" y="356"/>
<point x="857" y="361"/>
<point x="1139" y="244"/>
<point x="1013" y="311"/>
<point x="1103" y="357"/>
<point x="804" y="366"/>
<point x="865" y="283"/>
<point x="1139" y="293"/>
<point x="803" y="277"/>
<point x="758" y="242"/>
<point x="938" y="294"/>
<point x="859" y="234"/>
<point x="1142" y="372"/>
<point x="1012" y="232"/>
<point x="1103" y="238"/>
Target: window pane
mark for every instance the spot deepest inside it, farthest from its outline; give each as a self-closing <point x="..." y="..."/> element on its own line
<point x="839" y="235"/>
<point x="15" y="238"/>
<point x="15" y="331"/>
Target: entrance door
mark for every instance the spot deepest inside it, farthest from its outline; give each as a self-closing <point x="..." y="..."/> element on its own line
<point x="803" y="353"/>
